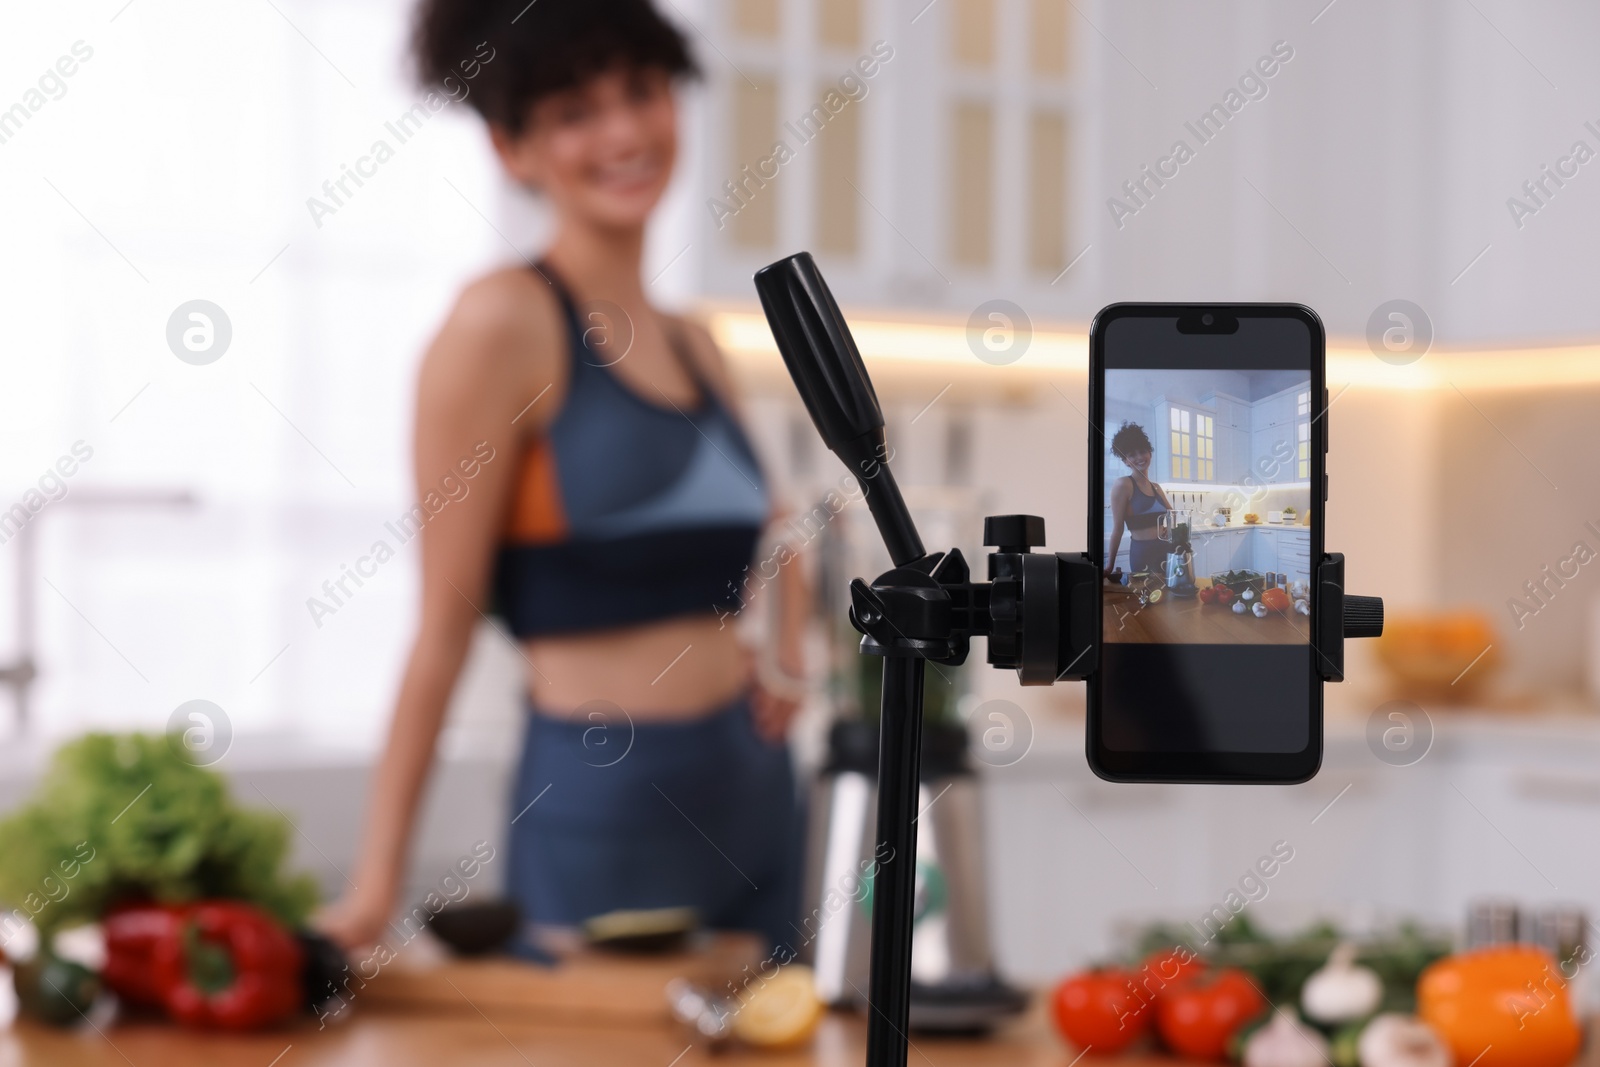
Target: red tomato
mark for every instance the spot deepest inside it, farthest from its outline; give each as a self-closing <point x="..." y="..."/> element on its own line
<point x="1169" y="967"/>
<point x="1100" y="1010"/>
<point x="1224" y="595"/>
<point x="1197" y="1019"/>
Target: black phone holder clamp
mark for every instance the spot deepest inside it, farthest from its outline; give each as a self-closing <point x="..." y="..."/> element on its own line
<point x="1036" y="609"/>
<point x="1039" y="611"/>
<point x="1340" y="615"/>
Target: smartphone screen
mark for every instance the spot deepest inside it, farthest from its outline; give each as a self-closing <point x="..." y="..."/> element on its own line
<point x="1206" y="452"/>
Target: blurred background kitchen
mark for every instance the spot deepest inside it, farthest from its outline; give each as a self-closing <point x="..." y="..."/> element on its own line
<point x="1006" y="168"/>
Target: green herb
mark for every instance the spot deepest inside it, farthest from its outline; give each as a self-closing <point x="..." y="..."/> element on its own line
<point x="1281" y="965"/>
<point x="130" y="817"/>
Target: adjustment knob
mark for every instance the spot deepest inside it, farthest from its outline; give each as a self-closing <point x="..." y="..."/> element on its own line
<point x="1013" y="533"/>
<point x="1363" y="616"/>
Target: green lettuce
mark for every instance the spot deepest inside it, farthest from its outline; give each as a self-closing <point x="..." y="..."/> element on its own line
<point x="127" y="816"/>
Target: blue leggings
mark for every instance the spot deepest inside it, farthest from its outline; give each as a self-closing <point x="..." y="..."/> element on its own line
<point x="700" y="813"/>
<point x="1148" y="556"/>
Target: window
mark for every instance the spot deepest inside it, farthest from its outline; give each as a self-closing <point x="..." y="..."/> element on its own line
<point x="756" y="18"/>
<point x="294" y="443"/>
<point x="838" y="168"/>
<point x="1182" y="444"/>
<point x="1193" y="452"/>
<point x="1302" y="433"/>
<point x="971" y="183"/>
<point x="1048" y="38"/>
<point x="972" y="30"/>
<point x="755" y="129"/>
<point x="839" y="23"/>
<point x="1047" y="193"/>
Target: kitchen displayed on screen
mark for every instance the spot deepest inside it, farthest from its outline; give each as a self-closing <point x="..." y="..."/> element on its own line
<point x="1207" y="505"/>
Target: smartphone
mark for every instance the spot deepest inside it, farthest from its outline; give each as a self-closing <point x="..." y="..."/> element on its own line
<point x="1207" y="443"/>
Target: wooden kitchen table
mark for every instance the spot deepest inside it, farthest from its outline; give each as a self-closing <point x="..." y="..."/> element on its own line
<point x="394" y="1039"/>
<point x="601" y="1008"/>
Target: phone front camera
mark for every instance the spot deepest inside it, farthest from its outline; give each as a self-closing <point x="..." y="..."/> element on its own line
<point x="1207" y="320"/>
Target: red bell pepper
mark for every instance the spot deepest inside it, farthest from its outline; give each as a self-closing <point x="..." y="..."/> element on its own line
<point x="229" y="965"/>
<point x="132" y="933"/>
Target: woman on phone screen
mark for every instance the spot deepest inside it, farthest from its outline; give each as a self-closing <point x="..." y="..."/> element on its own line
<point x="1136" y="503"/>
<point x="616" y="505"/>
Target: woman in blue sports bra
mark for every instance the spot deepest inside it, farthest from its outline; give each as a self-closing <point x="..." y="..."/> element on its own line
<point x="1136" y="503"/>
<point x="606" y="504"/>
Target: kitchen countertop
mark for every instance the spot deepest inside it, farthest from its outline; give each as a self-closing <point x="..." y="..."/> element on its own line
<point x="399" y="1039"/>
<point x="1191" y="621"/>
<point x="1292" y="527"/>
<point x="595" y="1007"/>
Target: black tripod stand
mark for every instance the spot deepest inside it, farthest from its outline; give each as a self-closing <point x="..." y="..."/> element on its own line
<point x="1039" y="611"/>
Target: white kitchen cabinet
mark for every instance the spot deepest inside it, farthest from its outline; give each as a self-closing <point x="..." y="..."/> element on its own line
<point x="1232" y="435"/>
<point x="1242" y="550"/>
<point x="1497" y="807"/>
<point x="1283" y="549"/>
<point x="1294" y="552"/>
<point x="1216" y="551"/>
<point x="1205" y="550"/>
<point x="1264" y="551"/>
<point x="1272" y="437"/>
<point x="1517" y="826"/>
<point x="1072" y="858"/>
<point x="1222" y="552"/>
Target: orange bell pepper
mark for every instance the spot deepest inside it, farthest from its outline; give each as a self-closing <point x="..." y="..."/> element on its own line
<point x="1505" y="1006"/>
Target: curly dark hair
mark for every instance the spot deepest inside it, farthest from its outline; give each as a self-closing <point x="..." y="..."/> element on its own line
<point x="538" y="48"/>
<point x="1130" y="438"/>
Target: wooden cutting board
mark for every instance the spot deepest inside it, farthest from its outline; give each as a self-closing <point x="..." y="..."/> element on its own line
<point x="587" y="985"/>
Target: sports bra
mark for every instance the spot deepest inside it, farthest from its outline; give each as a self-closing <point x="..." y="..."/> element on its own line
<point x="1143" y="509"/>
<point x="627" y="511"/>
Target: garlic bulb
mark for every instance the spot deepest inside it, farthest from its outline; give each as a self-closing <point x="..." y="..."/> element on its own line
<point x="1342" y="991"/>
<point x="1285" y="1042"/>
<point x="1260" y="610"/>
<point x="1239" y="607"/>
<point x="1401" y="1041"/>
<point x="22" y="942"/>
<point x="84" y="945"/>
<point x="8" y="997"/>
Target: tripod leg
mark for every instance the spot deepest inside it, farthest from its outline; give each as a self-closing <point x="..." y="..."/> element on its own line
<point x="899" y="756"/>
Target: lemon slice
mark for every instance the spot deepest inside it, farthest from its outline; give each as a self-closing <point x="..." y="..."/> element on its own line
<point x="781" y="1012"/>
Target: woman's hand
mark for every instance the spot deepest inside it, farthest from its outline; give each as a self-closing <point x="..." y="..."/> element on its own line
<point x="358" y="919"/>
<point x="776" y="695"/>
<point x="773" y="713"/>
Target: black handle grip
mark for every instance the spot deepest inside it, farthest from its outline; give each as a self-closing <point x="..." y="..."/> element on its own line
<point x="819" y="351"/>
<point x="822" y="358"/>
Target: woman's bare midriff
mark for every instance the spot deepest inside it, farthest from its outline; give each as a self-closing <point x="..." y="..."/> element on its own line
<point x="674" y="669"/>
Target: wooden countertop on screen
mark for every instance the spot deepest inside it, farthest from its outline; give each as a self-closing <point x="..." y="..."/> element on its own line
<point x="1189" y="621"/>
